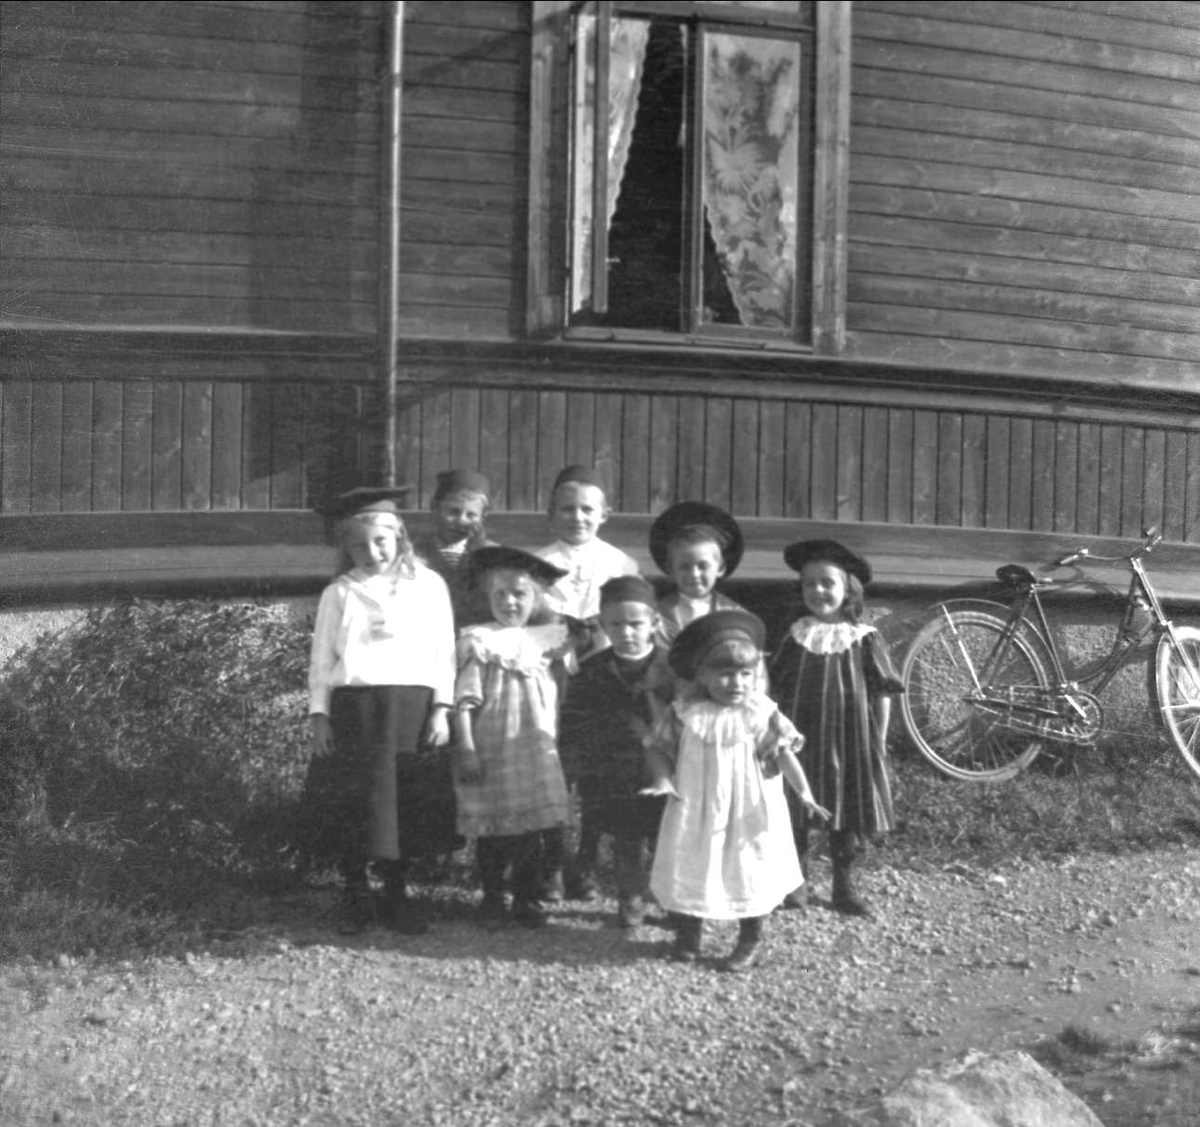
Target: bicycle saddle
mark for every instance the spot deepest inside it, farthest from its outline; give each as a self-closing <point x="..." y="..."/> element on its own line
<point x="1016" y="575"/>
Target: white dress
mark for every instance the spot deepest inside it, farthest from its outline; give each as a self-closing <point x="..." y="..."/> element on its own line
<point x="725" y="847"/>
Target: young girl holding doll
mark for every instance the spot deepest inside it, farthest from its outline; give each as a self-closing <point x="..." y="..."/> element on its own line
<point x="380" y="682"/>
<point x="721" y="754"/>
<point x="510" y="785"/>
<point x="833" y="679"/>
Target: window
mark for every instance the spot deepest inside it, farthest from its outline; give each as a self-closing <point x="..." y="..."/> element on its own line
<point x="693" y="147"/>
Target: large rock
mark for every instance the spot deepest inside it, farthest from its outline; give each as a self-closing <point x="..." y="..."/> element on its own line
<point x="979" y="1090"/>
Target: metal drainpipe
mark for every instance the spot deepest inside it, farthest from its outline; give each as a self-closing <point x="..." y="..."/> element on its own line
<point x="390" y="222"/>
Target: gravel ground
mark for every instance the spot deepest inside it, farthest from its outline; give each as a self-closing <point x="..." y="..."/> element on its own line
<point x="287" y="1023"/>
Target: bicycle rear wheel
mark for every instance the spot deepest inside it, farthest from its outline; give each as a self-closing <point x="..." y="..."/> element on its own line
<point x="946" y="664"/>
<point x="1177" y="685"/>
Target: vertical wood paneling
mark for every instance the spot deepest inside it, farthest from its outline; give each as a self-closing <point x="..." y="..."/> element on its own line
<point x="924" y="467"/>
<point x="243" y="444"/>
<point x="824" y="483"/>
<point x="1020" y="460"/>
<point x="1173" y="521"/>
<point x="106" y="446"/>
<point x="948" y="506"/>
<point x="664" y="437"/>
<point x="287" y="434"/>
<point x="608" y="445"/>
<point x="900" y="466"/>
<point x="1191" y="490"/>
<point x="746" y="454"/>
<point x="464" y="429"/>
<point x="16" y="434"/>
<point x="408" y="442"/>
<point x="974" y="470"/>
<point x="522" y="443"/>
<point x="1110" y="481"/>
<point x="772" y="459"/>
<point x="167" y="445"/>
<point x="691" y="448"/>
<point x="581" y="429"/>
<point x="197" y="445"/>
<point x="1042" y="494"/>
<point x="77" y="447"/>
<point x="551" y="455"/>
<point x="1133" y="451"/>
<point x="849" y="463"/>
<point x="996" y="478"/>
<point x="137" y="445"/>
<point x="435" y="441"/>
<point x="718" y="425"/>
<point x="1154" y="471"/>
<point x="45" y="471"/>
<point x="493" y="442"/>
<point x="635" y="454"/>
<point x="875" y="453"/>
<point x="797" y="479"/>
<point x="1066" y="477"/>
<point x="1087" y="506"/>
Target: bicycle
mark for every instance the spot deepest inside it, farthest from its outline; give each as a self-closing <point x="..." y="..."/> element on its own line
<point x="986" y="687"/>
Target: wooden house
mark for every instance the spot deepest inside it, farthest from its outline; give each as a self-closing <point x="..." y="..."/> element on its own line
<point x="924" y="274"/>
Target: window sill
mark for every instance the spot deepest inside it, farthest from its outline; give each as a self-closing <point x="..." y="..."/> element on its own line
<point x="683" y="342"/>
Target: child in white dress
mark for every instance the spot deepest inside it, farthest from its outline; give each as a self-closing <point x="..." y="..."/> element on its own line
<point x="725" y="847"/>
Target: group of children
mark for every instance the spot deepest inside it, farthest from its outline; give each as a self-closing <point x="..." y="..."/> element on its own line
<point x="542" y="673"/>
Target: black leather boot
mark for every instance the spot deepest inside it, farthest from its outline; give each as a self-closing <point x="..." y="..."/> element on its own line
<point x="843" y="852"/>
<point x="749" y="946"/>
<point x="686" y="948"/>
<point x="399" y="911"/>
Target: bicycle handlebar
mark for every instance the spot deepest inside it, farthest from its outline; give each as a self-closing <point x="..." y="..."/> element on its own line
<point x="1152" y="535"/>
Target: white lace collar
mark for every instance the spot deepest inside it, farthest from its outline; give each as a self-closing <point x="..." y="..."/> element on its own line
<point x="828" y="637"/>
<point x="517" y="647"/>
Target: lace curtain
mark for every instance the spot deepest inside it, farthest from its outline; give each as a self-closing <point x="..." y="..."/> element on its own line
<point x="627" y="57"/>
<point x="750" y="166"/>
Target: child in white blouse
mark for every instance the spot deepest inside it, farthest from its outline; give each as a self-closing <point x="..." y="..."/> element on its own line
<point x="721" y="754"/>
<point x="381" y="679"/>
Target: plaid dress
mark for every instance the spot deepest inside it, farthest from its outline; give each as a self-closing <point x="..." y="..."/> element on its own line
<point x="508" y="676"/>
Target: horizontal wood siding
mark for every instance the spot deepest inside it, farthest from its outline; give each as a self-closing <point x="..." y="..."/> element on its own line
<point x="464" y="169"/>
<point x="179" y="165"/>
<point x="1023" y="188"/>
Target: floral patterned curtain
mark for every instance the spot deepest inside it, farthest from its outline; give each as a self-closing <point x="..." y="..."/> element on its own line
<point x="750" y="166"/>
<point x="627" y="57"/>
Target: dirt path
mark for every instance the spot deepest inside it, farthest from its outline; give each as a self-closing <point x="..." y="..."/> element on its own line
<point x="582" y="1024"/>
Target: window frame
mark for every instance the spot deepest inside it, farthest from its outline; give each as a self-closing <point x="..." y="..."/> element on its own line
<point x="550" y="172"/>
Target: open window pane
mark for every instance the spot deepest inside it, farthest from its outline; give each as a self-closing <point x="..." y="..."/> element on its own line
<point x="749" y="181"/>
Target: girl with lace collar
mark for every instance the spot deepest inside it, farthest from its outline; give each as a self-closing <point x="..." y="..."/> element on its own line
<point x="721" y="755"/>
<point x="509" y="780"/>
<point x="833" y="678"/>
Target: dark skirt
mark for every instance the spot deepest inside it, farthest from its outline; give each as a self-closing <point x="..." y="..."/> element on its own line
<point x="380" y="793"/>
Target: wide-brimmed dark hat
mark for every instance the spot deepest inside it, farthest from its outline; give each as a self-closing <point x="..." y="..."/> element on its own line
<point x="461" y="481"/>
<point x="696" y="514"/>
<point x="365" y="499"/>
<point x="628" y="589"/>
<point x="498" y="556"/>
<point x="700" y="635"/>
<point x="830" y="551"/>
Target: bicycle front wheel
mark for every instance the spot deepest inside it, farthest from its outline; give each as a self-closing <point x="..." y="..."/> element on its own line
<point x="1177" y="685"/>
<point x="951" y="659"/>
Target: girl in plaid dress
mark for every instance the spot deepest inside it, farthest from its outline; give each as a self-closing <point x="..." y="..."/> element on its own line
<point x="509" y="783"/>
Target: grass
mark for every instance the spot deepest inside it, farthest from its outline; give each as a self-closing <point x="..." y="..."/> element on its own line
<point x="152" y="761"/>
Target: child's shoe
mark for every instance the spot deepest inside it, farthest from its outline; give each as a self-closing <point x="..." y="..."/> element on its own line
<point x="582" y="886"/>
<point x="686" y="948"/>
<point x="357" y="911"/>
<point x="398" y="910"/>
<point x="796" y="900"/>
<point x="552" y="890"/>
<point x="528" y="913"/>
<point x="749" y="947"/>
<point x="630" y="912"/>
<point x="492" y="914"/>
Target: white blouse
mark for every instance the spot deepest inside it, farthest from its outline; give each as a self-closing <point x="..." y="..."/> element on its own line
<point x="589" y="566"/>
<point x="382" y="630"/>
